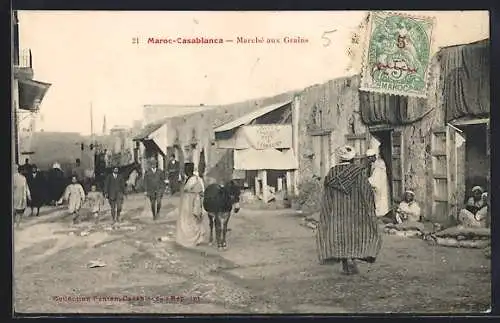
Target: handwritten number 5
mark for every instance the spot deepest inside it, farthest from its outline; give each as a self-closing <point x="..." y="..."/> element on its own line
<point x="325" y="37"/>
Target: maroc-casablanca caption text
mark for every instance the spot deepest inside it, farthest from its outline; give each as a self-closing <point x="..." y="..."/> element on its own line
<point x="239" y="40"/>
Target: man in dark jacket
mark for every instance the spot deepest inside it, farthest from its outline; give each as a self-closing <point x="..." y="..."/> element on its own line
<point x="173" y="171"/>
<point x="114" y="191"/>
<point x="154" y="187"/>
<point x="38" y="187"/>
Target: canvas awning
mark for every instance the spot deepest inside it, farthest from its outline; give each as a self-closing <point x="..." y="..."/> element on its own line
<point x="31" y="93"/>
<point x="155" y="132"/>
<point x="250" y="117"/>
<point x="272" y="159"/>
<point x="147" y="131"/>
<point x="466" y="75"/>
<point x="379" y="108"/>
<point x="465" y="70"/>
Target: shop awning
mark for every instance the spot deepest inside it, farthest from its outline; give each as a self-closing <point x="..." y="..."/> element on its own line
<point x="155" y="132"/>
<point x="465" y="70"/>
<point x="271" y="159"/>
<point x="250" y="117"/>
<point x="379" y="108"/>
<point x="31" y="93"/>
<point x="147" y="131"/>
<point x="466" y="75"/>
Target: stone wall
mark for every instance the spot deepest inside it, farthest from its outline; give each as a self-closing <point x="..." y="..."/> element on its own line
<point x="122" y="146"/>
<point x="338" y="101"/>
<point x="219" y="162"/>
<point x="61" y="147"/>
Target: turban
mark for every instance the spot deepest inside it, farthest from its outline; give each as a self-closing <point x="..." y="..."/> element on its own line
<point x="371" y="152"/>
<point x="410" y="192"/>
<point x="346" y="153"/>
<point x="477" y="188"/>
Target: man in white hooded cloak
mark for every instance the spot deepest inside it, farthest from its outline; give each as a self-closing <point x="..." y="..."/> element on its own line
<point x="379" y="182"/>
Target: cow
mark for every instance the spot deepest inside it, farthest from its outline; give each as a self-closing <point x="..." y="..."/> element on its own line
<point x="218" y="201"/>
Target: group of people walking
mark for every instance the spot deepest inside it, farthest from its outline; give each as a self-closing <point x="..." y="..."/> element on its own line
<point x="190" y="231"/>
<point x="36" y="183"/>
<point x="31" y="189"/>
<point x="355" y="197"/>
<point x="115" y="191"/>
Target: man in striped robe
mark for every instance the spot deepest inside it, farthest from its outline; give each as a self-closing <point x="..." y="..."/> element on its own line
<point x="348" y="229"/>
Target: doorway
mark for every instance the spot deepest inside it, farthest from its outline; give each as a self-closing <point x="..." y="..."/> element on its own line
<point x="275" y="176"/>
<point x="386" y="153"/>
<point x="477" y="156"/>
<point x="250" y="176"/>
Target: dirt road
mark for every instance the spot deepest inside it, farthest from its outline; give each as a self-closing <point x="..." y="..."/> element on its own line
<point x="270" y="267"/>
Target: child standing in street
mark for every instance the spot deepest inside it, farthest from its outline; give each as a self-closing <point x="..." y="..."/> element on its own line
<point x="75" y="195"/>
<point x="96" y="202"/>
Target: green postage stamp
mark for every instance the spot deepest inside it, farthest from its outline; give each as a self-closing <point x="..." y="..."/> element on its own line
<point x="397" y="54"/>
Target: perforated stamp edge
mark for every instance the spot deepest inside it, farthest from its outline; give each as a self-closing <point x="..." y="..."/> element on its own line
<point x="364" y="63"/>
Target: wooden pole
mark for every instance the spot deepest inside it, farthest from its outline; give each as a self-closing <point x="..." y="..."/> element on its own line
<point x="16" y="135"/>
<point x="295" y="141"/>
<point x="265" y="191"/>
<point x="257" y="185"/>
<point x="91" y="123"/>
<point x="289" y="183"/>
<point x="15" y="85"/>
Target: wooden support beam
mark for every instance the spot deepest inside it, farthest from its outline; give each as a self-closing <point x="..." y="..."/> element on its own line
<point x="265" y="191"/>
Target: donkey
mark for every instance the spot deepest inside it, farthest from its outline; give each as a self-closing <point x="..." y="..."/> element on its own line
<point x="219" y="200"/>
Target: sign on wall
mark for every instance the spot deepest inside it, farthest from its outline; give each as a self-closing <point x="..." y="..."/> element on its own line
<point x="264" y="137"/>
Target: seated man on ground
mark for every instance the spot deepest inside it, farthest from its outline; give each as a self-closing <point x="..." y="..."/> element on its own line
<point x="408" y="210"/>
<point x="406" y="218"/>
<point x="475" y="213"/>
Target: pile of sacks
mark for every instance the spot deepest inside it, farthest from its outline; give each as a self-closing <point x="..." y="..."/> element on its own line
<point x="462" y="237"/>
<point x="413" y="229"/>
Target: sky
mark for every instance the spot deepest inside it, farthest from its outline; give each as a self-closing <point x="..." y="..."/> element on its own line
<point x="90" y="59"/>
